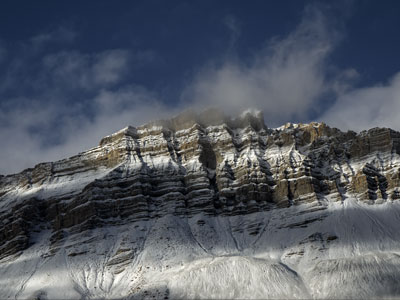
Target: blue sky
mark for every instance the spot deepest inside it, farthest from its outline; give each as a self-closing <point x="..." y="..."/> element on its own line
<point x="72" y="72"/>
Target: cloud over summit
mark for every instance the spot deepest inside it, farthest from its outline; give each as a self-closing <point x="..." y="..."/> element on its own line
<point x="284" y="79"/>
<point x="367" y="107"/>
<point x="57" y="100"/>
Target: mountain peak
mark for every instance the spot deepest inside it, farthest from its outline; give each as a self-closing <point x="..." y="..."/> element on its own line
<point x="206" y="118"/>
<point x="178" y="205"/>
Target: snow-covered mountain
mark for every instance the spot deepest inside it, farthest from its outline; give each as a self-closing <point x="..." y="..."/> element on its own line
<point x="206" y="206"/>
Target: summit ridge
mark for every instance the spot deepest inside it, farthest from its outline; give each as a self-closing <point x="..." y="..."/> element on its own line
<point x="205" y="200"/>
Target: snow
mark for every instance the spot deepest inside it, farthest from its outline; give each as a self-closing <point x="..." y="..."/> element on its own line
<point x="324" y="249"/>
<point x="54" y="186"/>
<point x="237" y="277"/>
<point x="220" y="259"/>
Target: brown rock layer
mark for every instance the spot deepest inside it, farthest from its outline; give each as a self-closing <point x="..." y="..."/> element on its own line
<point x="195" y="164"/>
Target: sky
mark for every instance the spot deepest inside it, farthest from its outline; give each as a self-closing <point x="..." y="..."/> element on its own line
<point x="74" y="71"/>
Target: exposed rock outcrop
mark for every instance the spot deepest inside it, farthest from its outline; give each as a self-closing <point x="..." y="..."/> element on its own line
<point x="197" y="163"/>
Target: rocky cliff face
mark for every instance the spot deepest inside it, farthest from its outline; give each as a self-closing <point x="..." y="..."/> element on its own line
<point x="199" y="178"/>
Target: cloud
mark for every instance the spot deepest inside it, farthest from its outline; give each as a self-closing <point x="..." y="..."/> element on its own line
<point x="110" y="66"/>
<point x="76" y="98"/>
<point x="367" y="107"/>
<point x="55" y="104"/>
<point x="284" y="80"/>
<point x="113" y="110"/>
<point x="232" y="24"/>
<point x="88" y="71"/>
<point x="58" y="35"/>
<point x="292" y="80"/>
<point x="28" y="130"/>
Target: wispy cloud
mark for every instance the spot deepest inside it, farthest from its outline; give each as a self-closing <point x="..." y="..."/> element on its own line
<point x="284" y="79"/>
<point x="363" y="108"/>
<point x="27" y="131"/>
<point x="75" y="98"/>
<point x="232" y="24"/>
<point x="86" y="71"/>
<point x="58" y="35"/>
<point x="55" y="104"/>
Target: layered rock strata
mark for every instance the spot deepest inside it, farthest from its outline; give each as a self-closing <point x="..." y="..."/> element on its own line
<point x="196" y="164"/>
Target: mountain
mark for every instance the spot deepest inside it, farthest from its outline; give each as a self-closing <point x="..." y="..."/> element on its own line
<point x="208" y="206"/>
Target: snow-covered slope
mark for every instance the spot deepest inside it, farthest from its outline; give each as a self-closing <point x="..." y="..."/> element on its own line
<point x="204" y="206"/>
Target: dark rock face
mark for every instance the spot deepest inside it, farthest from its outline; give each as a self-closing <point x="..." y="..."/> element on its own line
<point x="194" y="164"/>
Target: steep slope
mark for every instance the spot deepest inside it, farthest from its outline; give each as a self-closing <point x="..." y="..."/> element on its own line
<point x="206" y="206"/>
